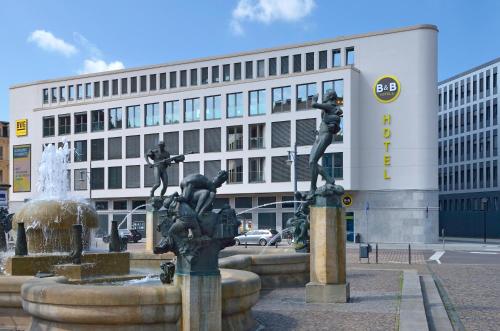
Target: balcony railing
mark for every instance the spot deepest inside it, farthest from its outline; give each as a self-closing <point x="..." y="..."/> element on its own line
<point x="256" y="177"/>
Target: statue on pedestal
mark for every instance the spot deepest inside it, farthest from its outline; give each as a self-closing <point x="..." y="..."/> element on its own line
<point x="300" y="223"/>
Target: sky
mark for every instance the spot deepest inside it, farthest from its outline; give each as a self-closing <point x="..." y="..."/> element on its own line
<point x="55" y="38"/>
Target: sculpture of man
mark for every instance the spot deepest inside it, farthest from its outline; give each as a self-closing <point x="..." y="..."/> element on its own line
<point x="199" y="191"/>
<point x="161" y="161"/>
<point x="330" y="125"/>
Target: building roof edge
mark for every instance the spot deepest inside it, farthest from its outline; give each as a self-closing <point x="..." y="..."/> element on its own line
<point x="468" y="71"/>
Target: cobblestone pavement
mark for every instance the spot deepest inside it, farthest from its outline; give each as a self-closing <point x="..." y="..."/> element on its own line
<point x="399" y="256"/>
<point x="474" y="292"/>
<point x="374" y="306"/>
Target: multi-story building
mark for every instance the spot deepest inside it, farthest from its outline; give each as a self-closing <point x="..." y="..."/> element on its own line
<point x="468" y="152"/>
<point x="243" y="113"/>
<point x="4" y="163"/>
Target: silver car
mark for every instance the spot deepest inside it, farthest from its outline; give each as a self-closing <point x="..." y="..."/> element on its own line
<point x="258" y="237"/>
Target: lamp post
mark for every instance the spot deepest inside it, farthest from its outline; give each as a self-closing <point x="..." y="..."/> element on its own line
<point x="484" y="208"/>
<point x="292" y="159"/>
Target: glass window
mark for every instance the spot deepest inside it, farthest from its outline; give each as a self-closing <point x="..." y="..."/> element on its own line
<point x="226" y="73"/>
<point x="337" y="86"/>
<point x="297" y="63"/>
<point x="80" y="178"/>
<point x="115" y="178"/>
<point x="114" y="118"/>
<point x="215" y="74"/>
<point x="235" y="171"/>
<point x="256" y="171"/>
<point x="257" y="101"/>
<point x="97" y="120"/>
<point x="260" y="68"/>
<point x="192" y="110"/>
<point x="62" y="93"/>
<point x="333" y="164"/>
<point x="151" y="114"/>
<point x="212" y="108"/>
<point x="45" y="95"/>
<point x="124" y="85"/>
<point x="322" y="59"/>
<point x="114" y="87"/>
<point x="71" y="92"/>
<point x="194" y="77"/>
<point x="234" y="105"/>
<point x="272" y="66"/>
<point x="64" y="124"/>
<point x="88" y="90"/>
<point x="284" y="65"/>
<point x="256" y="136"/>
<point x="133" y="84"/>
<point x="183" y="78"/>
<point x="237" y="71"/>
<point x="80" y="152"/>
<point x="349" y="55"/>
<point x="309" y="61"/>
<point x="97" y="89"/>
<point x="97" y="178"/>
<point x="234" y="138"/>
<point x="152" y="82"/>
<point x="133" y="116"/>
<point x="80" y="122"/>
<point x="97" y="149"/>
<point x="249" y="70"/>
<point x="171" y="109"/>
<point x="79" y="91"/>
<point x="204" y="75"/>
<point x="173" y="79"/>
<point x="305" y="95"/>
<point x="143" y="82"/>
<point x="163" y="80"/>
<point x="49" y="126"/>
<point x="105" y="88"/>
<point x="282" y="99"/>
<point x="53" y="93"/>
<point x="133" y="178"/>
<point x="336" y="59"/>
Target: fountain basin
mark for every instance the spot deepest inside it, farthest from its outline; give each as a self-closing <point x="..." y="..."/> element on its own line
<point x="49" y="223"/>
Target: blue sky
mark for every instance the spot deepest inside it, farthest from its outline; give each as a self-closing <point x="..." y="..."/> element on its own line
<point x="54" y="38"/>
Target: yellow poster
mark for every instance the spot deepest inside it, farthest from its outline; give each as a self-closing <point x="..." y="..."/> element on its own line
<point x="21" y="127"/>
<point x="22" y="168"/>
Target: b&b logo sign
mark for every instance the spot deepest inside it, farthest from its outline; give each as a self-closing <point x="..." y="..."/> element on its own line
<point x="386" y="89"/>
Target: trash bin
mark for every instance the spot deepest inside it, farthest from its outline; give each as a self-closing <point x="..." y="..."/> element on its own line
<point x="364" y="251"/>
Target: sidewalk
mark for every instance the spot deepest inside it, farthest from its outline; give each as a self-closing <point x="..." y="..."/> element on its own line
<point x="451" y="244"/>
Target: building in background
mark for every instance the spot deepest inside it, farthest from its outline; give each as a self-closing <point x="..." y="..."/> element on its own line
<point x="244" y="113"/>
<point x="4" y="164"/>
<point x="468" y="153"/>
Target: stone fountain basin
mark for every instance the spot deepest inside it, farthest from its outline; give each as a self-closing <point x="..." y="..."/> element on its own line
<point x="56" y="304"/>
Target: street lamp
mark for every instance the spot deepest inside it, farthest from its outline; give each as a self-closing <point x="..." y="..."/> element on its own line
<point x="484" y="208"/>
<point x="292" y="159"/>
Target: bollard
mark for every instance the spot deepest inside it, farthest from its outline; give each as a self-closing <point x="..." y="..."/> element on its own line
<point x="246" y="241"/>
<point x="409" y="253"/>
<point x="376" y="253"/>
<point x="21" y="243"/>
<point x="442" y="236"/>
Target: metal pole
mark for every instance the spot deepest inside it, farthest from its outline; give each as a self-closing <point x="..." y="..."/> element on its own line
<point x="295" y="204"/>
<point x="484" y="225"/>
<point x="376" y="253"/>
<point x="409" y="253"/>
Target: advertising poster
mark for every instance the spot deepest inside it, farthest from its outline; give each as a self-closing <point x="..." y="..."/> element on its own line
<point x="22" y="168"/>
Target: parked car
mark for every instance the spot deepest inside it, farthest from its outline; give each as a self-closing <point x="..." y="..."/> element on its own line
<point x="131" y="235"/>
<point x="259" y="237"/>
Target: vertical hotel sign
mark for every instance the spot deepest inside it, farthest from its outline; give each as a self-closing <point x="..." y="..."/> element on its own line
<point x="386" y="89"/>
<point x="22" y="168"/>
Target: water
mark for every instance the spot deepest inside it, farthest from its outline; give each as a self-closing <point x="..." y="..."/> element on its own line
<point x="53" y="172"/>
<point x="131" y="212"/>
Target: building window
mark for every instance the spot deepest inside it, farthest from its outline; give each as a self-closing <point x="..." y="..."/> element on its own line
<point x="80" y="122"/>
<point x="309" y="61"/>
<point x="97" y="178"/>
<point x="234" y="138"/>
<point x="171" y="110"/>
<point x="204" y="75"/>
<point x="53" y="93"/>
<point x="323" y="60"/>
<point x="183" y="81"/>
<point x="115" y="178"/>
<point x="152" y="82"/>
<point x="49" y="126"/>
<point x="212" y="108"/>
<point x="151" y="114"/>
<point x="124" y="86"/>
<point x="173" y="79"/>
<point x="249" y="69"/>
<point x="282" y="99"/>
<point x="105" y="88"/>
<point x="272" y="66"/>
<point x="80" y="180"/>
<point x="260" y="68"/>
<point x="45" y="95"/>
<point x="349" y="55"/>
<point x="305" y="95"/>
<point x="215" y="74"/>
<point x="256" y="136"/>
<point x="163" y="80"/>
<point x="212" y="140"/>
<point x="97" y="120"/>
<point x="333" y="163"/>
<point x="133" y="84"/>
<point x="64" y="124"/>
<point x="97" y="149"/>
<point x="114" y="118"/>
<point x="305" y="131"/>
<point x="191" y="141"/>
<point x="114" y="87"/>
<point x="285" y="65"/>
<point x="97" y="89"/>
<point x="256" y="171"/>
<point x="79" y="91"/>
<point x="191" y="110"/>
<point x="143" y="83"/>
<point x="337" y="86"/>
<point x="280" y="170"/>
<point x="234" y="105"/>
<point x="226" y="74"/>
<point x="133" y="176"/>
<point x="235" y="171"/>
<point x="172" y="138"/>
<point x="80" y="152"/>
<point x="88" y="90"/>
<point x="257" y="101"/>
<point x="62" y="93"/>
<point x="132" y="147"/>
<point x="194" y="77"/>
<point x="297" y="63"/>
<point x="133" y="116"/>
<point x="280" y="134"/>
<point x="237" y="71"/>
<point x="71" y="92"/>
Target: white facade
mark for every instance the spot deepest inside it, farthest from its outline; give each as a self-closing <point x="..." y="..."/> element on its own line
<point x="408" y="183"/>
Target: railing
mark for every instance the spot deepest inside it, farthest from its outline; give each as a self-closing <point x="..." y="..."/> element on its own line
<point x="256" y="176"/>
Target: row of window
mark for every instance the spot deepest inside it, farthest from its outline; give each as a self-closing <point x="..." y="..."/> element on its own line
<point x="460" y="90"/>
<point x="280" y="172"/>
<point x="479" y="175"/>
<point x="468" y="204"/>
<point x="281" y="102"/>
<point x="481" y="115"/>
<point x="280" y="137"/>
<point x="180" y="78"/>
<point x="471" y="147"/>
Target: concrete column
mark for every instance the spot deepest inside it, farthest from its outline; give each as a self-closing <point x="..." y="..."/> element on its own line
<point x="201" y="302"/>
<point x="328" y="256"/>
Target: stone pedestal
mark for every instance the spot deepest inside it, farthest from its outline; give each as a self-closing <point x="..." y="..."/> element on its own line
<point x="328" y="255"/>
<point x="201" y="302"/>
<point x="152" y="221"/>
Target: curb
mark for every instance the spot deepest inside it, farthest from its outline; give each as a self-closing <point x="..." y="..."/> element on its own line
<point x="412" y="312"/>
<point x="434" y="307"/>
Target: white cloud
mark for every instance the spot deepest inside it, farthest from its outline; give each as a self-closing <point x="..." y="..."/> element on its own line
<point x="267" y="11"/>
<point x="97" y="65"/>
<point x="94" y="51"/>
<point x="47" y="41"/>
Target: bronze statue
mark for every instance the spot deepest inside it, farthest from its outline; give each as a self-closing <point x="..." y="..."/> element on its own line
<point x="331" y="115"/>
<point x="161" y="161"/>
<point x="200" y="191"/>
<point x="300" y="223"/>
<point x="167" y="276"/>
